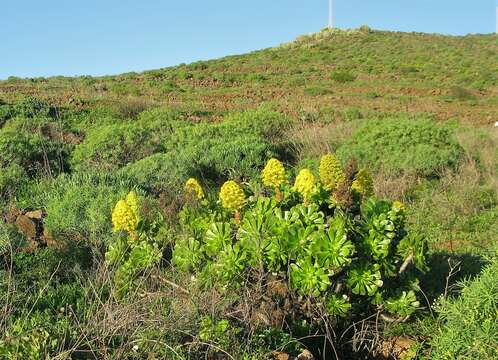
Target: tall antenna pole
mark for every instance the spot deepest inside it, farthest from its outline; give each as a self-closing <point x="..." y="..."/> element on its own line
<point x="331" y="20"/>
<point x="496" y="19"/>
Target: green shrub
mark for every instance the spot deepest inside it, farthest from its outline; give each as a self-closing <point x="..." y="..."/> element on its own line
<point x="238" y="145"/>
<point x="6" y="112"/>
<point x="110" y="147"/>
<point x="78" y="207"/>
<point x="461" y="93"/>
<point x="401" y="144"/>
<point x="160" y="172"/>
<point x="347" y="259"/>
<point x="469" y="326"/>
<point x="342" y="76"/>
<point x="12" y="178"/>
<point x="31" y="107"/>
<point x="46" y="299"/>
<point x="235" y="147"/>
<point x="34" y="143"/>
<point x="31" y="151"/>
<point x="317" y="90"/>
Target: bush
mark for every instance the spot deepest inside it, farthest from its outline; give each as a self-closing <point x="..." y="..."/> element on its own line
<point x="238" y="145"/>
<point x="339" y="254"/>
<point x="462" y="94"/>
<point x="6" y="112"/>
<point x="31" y="151"/>
<point x="12" y="178"/>
<point x="235" y="147"/>
<point x="403" y="145"/>
<point x="110" y="147"/>
<point x="36" y="144"/>
<point x="469" y="329"/>
<point x="317" y="90"/>
<point x="31" y="107"/>
<point x="160" y="172"/>
<point x="78" y="207"/>
<point x="46" y="299"/>
<point x="342" y="76"/>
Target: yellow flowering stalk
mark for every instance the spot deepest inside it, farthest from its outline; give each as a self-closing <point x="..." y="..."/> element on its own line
<point x="305" y="184"/>
<point x="132" y="201"/>
<point x="232" y="197"/>
<point x="124" y="218"/>
<point x="331" y="174"/>
<point x="363" y="183"/>
<point x="274" y="176"/>
<point x="194" y="189"/>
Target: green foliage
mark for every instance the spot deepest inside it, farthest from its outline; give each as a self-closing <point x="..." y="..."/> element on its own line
<point x="31" y="150"/>
<point x="468" y="326"/>
<point x="237" y="146"/>
<point x="317" y="90"/>
<point x="31" y="107"/>
<point x="12" y="178"/>
<point x="48" y="295"/>
<point x="401" y="144"/>
<point x="342" y="76"/>
<point x="323" y="252"/>
<point x="212" y="330"/>
<point x="78" y="207"/>
<point x="113" y="146"/>
<point x="10" y="240"/>
<point x="135" y="251"/>
<point x="266" y="340"/>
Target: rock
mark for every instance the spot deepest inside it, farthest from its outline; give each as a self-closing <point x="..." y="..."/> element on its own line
<point x="305" y="355"/>
<point x="277" y="355"/>
<point x="399" y="347"/>
<point x="37" y="214"/>
<point x="48" y="239"/>
<point x="26" y="226"/>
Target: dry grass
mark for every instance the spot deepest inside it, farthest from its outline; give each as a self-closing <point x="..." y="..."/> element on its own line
<point x="315" y="140"/>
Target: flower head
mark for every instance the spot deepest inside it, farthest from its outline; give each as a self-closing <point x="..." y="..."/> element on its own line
<point x="305" y="183"/>
<point x="232" y="196"/>
<point x="132" y="200"/>
<point x="363" y="183"/>
<point x="123" y="217"/>
<point x="331" y="174"/>
<point x="273" y="174"/>
<point x="398" y="206"/>
<point x="194" y="189"/>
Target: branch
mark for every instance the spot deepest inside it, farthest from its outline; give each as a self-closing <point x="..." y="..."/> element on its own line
<point x="172" y="284"/>
<point x="407" y="262"/>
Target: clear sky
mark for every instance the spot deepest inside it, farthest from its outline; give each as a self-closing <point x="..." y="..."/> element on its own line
<point x="97" y="37"/>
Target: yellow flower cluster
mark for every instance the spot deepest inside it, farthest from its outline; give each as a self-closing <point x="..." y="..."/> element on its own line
<point x="232" y="196"/>
<point x="331" y="174"/>
<point x="125" y="214"/>
<point x="363" y="183"/>
<point x="398" y="206"/>
<point x="273" y="174"/>
<point x="305" y="184"/>
<point x="194" y="189"/>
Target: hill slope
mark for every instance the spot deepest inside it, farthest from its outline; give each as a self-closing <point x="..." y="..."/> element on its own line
<point x="320" y="75"/>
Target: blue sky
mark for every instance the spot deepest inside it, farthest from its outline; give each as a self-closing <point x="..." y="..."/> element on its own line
<point x="97" y="37"/>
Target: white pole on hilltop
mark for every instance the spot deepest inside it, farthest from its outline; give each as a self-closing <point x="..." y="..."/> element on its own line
<point x="331" y="20"/>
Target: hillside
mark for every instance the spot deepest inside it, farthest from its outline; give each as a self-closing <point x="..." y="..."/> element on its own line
<point x="331" y="198"/>
<point x="377" y="72"/>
